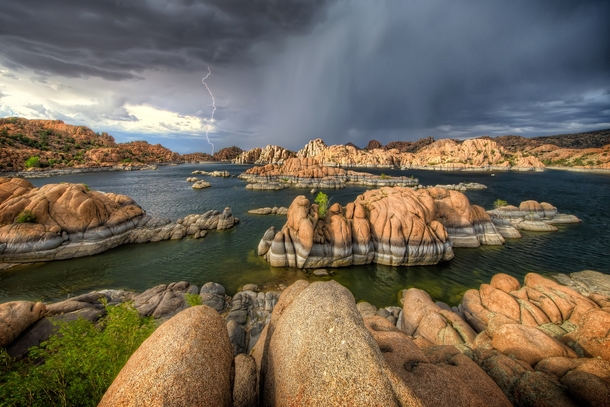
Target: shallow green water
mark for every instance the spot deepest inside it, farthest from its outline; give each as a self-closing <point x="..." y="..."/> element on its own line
<point x="229" y="257"/>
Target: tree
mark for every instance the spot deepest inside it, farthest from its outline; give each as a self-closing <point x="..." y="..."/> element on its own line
<point x="322" y="201"/>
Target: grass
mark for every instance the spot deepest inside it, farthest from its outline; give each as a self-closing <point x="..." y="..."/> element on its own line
<point x="192" y="299"/>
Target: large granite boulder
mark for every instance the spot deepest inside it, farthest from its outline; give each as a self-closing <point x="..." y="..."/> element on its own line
<point x="187" y="361"/>
<point x="317" y="351"/>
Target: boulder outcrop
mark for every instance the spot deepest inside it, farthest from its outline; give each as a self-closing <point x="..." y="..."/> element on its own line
<point x="62" y="221"/>
<point x="333" y="360"/>
<point x="187" y="361"/>
<point x="481" y="154"/>
<point x="268" y="155"/>
<point x="309" y="173"/>
<point x="530" y="216"/>
<point x="393" y="226"/>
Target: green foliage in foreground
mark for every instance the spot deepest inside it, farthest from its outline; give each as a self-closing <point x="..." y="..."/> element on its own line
<point x="498" y="203"/>
<point x="32" y="162"/>
<point x="192" y="299"/>
<point x="78" y="365"/>
<point x="322" y="201"/>
<point x="26" y="216"/>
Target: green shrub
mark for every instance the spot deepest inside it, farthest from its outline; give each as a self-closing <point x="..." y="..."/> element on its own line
<point x="322" y="201"/>
<point x="26" y="216"/>
<point x="498" y="203"/>
<point x="32" y="162"/>
<point x="79" y="363"/>
<point x="383" y="176"/>
<point x="192" y="299"/>
<point x="86" y="187"/>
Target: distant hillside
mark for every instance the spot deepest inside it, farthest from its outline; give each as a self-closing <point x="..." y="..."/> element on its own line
<point x="53" y="144"/>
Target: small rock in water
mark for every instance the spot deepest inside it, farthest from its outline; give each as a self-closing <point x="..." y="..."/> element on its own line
<point x="313" y="191"/>
<point x="251" y="287"/>
<point x="320" y="272"/>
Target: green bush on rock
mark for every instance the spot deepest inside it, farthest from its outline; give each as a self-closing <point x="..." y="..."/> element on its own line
<point x="78" y="364"/>
<point x="322" y="201"/>
<point x="498" y="203"/>
<point x="192" y="299"/>
<point x="26" y="216"/>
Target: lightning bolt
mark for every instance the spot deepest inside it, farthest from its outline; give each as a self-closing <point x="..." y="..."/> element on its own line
<point x="207" y="128"/>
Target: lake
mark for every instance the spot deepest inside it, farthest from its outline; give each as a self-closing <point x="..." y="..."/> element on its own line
<point x="229" y="257"/>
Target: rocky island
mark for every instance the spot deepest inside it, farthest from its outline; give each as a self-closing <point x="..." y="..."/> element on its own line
<point x="309" y="173"/>
<point x="397" y="226"/>
<point x="62" y="221"/>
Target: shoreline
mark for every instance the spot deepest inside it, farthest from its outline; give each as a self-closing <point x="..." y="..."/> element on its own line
<point x="588" y="170"/>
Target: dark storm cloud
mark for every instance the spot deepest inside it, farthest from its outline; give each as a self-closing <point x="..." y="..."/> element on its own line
<point x="113" y="40"/>
<point x="285" y="72"/>
<point x="404" y="68"/>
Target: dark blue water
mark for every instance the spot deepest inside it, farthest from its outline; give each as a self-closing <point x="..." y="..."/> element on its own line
<point x="229" y="257"/>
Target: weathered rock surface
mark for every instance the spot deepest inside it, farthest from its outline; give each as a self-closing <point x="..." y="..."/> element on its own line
<point x="201" y="184"/>
<point x="164" y="300"/>
<point x="447" y="378"/>
<point x="531" y="216"/>
<point x="269" y="211"/>
<point x="245" y="388"/>
<point x="394" y="226"/>
<point x="422" y="317"/>
<point x="187" y="361"/>
<point x="223" y="174"/>
<point x="268" y="155"/>
<point x="317" y="351"/>
<point x="309" y="173"/>
<point x="70" y="221"/>
<point x="16" y="317"/>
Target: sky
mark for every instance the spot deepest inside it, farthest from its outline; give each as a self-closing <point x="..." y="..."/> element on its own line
<point x="284" y="72"/>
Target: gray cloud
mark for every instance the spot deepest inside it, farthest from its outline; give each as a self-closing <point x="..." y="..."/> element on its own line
<point x="113" y="40"/>
<point x="286" y="72"/>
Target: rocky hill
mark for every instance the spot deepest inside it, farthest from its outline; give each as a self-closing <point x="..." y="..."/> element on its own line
<point x="46" y="144"/>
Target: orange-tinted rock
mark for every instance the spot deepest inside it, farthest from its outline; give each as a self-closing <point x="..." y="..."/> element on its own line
<point x="452" y="381"/>
<point x="317" y="351"/>
<point x="394" y="226"/>
<point x="591" y="338"/>
<point x="187" y="361"/>
<point x="421" y="316"/>
<point x="505" y="282"/>
<point x="528" y="344"/>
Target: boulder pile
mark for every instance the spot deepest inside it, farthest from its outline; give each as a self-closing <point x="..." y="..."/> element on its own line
<point x="394" y="226"/>
<point x="62" y="221"/>
<point x="309" y="173"/>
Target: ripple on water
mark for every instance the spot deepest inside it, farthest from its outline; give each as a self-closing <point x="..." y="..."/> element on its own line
<point x="228" y="257"/>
